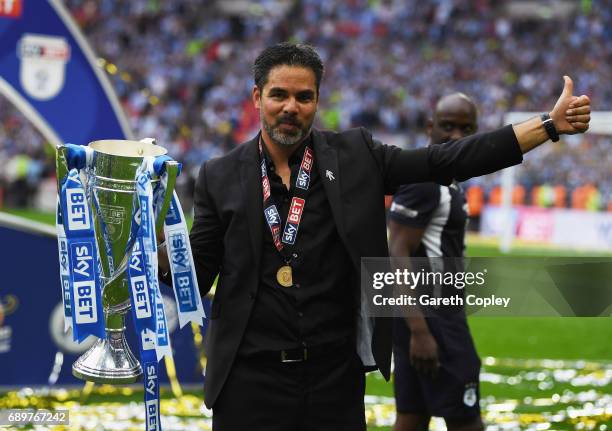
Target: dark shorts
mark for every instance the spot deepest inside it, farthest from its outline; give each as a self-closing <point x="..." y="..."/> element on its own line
<point x="454" y="393"/>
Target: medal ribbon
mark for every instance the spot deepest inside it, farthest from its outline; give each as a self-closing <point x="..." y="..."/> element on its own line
<point x="83" y="269"/>
<point x="298" y="202"/>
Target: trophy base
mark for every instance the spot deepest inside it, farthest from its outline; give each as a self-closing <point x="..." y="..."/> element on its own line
<point x="109" y="361"/>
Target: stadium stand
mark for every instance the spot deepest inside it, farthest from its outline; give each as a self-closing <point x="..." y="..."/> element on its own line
<point x="182" y="73"/>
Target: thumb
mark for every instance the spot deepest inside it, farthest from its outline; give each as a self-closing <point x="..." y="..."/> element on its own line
<point x="568" y="88"/>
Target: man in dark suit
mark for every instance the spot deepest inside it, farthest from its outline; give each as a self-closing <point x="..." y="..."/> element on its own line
<point x="284" y="219"/>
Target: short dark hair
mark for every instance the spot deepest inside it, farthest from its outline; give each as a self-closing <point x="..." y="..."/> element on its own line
<point x="286" y="54"/>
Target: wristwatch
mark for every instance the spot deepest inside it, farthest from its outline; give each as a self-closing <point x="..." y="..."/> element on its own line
<point x="549" y="126"/>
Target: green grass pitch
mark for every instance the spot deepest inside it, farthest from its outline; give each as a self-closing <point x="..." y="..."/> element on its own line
<point x="518" y="383"/>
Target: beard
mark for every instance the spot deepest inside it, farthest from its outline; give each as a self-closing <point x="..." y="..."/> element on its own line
<point x="286" y="137"/>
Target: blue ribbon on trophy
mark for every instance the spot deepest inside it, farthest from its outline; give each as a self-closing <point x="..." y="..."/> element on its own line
<point x="150" y="368"/>
<point x="83" y="259"/>
<point x="185" y="282"/>
<point x="147" y="237"/>
<point x="147" y="304"/>
<point x="182" y="268"/>
<point x="62" y="248"/>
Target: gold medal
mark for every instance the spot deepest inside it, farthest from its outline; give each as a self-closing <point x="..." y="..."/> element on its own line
<point x="284" y="276"/>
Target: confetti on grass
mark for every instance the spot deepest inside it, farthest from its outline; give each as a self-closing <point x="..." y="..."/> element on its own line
<point x="526" y="395"/>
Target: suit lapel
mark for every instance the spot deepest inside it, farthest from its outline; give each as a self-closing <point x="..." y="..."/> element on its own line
<point x="250" y="180"/>
<point x="326" y="159"/>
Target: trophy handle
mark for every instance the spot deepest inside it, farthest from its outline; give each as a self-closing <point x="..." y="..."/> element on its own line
<point x="172" y="168"/>
<point x="61" y="164"/>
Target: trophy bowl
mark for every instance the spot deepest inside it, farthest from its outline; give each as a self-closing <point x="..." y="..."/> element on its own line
<point x="110" y="181"/>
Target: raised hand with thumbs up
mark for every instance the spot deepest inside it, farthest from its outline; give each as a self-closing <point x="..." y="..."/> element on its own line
<point x="571" y="114"/>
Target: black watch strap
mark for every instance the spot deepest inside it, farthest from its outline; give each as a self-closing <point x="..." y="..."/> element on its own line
<point x="549" y="126"/>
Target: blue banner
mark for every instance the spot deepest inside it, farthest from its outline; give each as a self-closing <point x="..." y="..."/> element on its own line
<point x="186" y="291"/>
<point x="49" y="72"/>
<point x="83" y="277"/>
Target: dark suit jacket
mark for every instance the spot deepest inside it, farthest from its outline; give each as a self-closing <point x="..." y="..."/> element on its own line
<point x="226" y="237"/>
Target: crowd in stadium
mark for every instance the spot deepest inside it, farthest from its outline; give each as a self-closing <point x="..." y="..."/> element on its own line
<point x="182" y="73"/>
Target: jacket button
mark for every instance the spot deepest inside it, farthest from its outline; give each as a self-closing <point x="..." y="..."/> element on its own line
<point x="252" y="295"/>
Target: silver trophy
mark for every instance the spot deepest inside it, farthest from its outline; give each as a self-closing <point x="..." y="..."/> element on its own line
<point x="111" y="186"/>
